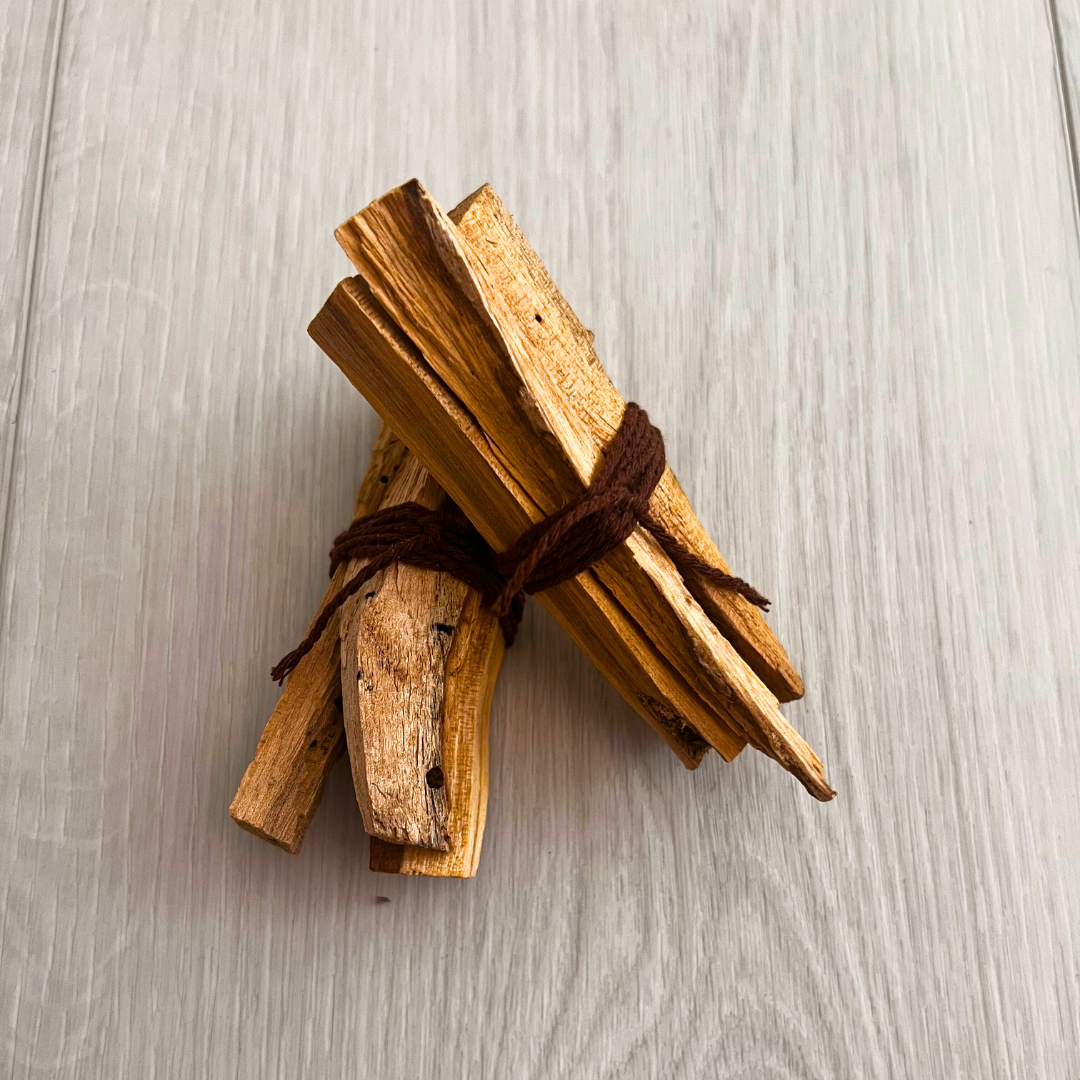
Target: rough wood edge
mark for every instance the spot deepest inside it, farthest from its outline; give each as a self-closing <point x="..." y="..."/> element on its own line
<point x="471" y="672"/>
<point x="550" y="323"/>
<point x="304" y="737"/>
<point x="394" y="653"/>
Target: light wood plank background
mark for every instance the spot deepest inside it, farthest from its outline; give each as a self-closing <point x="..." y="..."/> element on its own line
<point x="833" y="249"/>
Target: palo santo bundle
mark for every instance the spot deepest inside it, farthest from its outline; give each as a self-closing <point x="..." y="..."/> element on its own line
<point x="455" y="333"/>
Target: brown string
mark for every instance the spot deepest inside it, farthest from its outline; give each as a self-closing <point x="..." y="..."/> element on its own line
<point x="552" y="551"/>
<point x="412" y="534"/>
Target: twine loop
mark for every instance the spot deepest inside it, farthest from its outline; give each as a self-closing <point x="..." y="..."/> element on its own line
<point x="564" y="544"/>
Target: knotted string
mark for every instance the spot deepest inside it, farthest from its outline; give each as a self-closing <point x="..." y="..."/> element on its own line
<point x="561" y="546"/>
<point x="416" y="536"/>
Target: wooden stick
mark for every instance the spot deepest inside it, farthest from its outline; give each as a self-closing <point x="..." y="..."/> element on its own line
<point x="304" y="736"/>
<point x="385" y="366"/>
<point x="471" y="671"/>
<point x="553" y="331"/>
<point x="395" y="640"/>
<point x="429" y="282"/>
<point x="420" y="658"/>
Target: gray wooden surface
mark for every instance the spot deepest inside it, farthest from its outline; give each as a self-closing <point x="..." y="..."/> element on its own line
<point x="833" y="249"/>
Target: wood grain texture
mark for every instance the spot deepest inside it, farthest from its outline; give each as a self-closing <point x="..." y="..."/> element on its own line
<point x="533" y="301"/>
<point x="1063" y="17"/>
<point x="832" y="249"/>
<point x="30" y="40"/>
<point x="471" y="673"/>
<point x="395" y="644"/>
<point x="305" y="736"/>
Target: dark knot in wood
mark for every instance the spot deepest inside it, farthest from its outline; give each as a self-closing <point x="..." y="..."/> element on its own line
<point x="561" y="546"/>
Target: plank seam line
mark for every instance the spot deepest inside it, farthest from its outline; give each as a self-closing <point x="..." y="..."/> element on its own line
<point x="29" y="289"/>
<point x="1065" y="101"/>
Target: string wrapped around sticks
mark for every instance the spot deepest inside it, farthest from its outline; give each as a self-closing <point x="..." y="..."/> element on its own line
<point x="561" y="546"/>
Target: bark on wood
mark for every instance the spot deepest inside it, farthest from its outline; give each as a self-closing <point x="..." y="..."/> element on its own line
<point x="429" y="281"/>
<point x="471" y="671"/>
<point x="396" y="637"/>
<point x="388" y="369"/>
<point x="304" y="736"/>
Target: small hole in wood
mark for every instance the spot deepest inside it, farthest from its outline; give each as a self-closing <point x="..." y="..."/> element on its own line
<point x="313" y="744"/>
<point x="435" y="778"/>
<point x="382" y="899"/>
<point x="444" y="628"/>
<point x="538" y="319"/>
<point x="384" y="479"/>
<point x="368" y="595"/>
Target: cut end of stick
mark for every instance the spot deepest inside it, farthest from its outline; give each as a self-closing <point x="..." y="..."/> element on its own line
<point x="787" y="747"/>
<point x="820" y="788"/>
<point x="292" y="846"/>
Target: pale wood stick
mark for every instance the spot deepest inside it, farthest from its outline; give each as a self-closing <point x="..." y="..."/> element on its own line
<point x="471" y="671"/>
<point x="304" y="736"/>
<point x="413" y="259"/>
<point x="552" y="330"/>
<point x="385" y="366"/>
<point x="396" y="637"/>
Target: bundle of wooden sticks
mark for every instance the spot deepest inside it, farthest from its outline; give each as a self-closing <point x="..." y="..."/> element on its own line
<point x="493" y="396"/>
